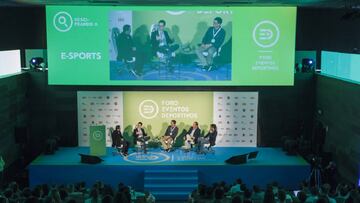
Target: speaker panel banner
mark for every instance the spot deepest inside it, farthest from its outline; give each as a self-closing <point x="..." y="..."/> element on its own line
<point x="234" y="113"/>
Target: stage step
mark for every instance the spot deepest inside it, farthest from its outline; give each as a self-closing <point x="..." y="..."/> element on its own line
<point x="171" y="171"/>
<point x="170" y="184"/>
<point x="164" y="180"/>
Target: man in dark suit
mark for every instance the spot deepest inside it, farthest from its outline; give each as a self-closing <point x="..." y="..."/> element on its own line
<point x="209" y="138"/>
<point x="125" y="45"/>
<point x="161" y="42"/>
<point x="126" y="50"/>
<point x="192" y="135"/>
<point x="169" y="137"/>
<point x="118" y="141"/>
<point x="211" y="42"/>
<point x="140" y="136"/>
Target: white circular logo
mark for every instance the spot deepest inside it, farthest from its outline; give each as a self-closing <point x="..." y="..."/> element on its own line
<point x="148" y="109"/>
<point x="97" y="135"/>
<point x="266" y="34"/>
<point x="175" y="13"/>
<point x="149" y="158"/>
<point x="62" y="21"/>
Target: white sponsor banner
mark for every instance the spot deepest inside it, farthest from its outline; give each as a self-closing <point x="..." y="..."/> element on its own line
<point x="235" y="114"/>
<point x="98" y="108"/>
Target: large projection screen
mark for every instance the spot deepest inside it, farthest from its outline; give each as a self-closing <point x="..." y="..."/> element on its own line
<point x="87" y="45"/>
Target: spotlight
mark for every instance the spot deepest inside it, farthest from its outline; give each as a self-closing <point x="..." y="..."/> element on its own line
<point x="37" y="63"/>
<point x="307" y="62"/>
<point x="307" y="65"/>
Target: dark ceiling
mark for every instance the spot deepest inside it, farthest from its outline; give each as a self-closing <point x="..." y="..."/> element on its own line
<point x="299" y="3"/>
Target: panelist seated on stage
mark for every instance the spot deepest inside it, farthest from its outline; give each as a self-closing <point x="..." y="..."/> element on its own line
<point x="140" y="136"/>
<point x="119" y="142"/>
<point x="169" y="137"/>
<point x="209" y="138"/>
<point x="192" y="135"/>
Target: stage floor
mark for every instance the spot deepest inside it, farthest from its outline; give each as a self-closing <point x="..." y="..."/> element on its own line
<point x="266" y="156"/>
<point x="272" y="164"/>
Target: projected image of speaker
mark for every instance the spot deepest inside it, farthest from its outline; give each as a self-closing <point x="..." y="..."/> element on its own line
<point x="239" y="159"/>
<point x="89" y="159"/>
<point x="253" y="155"/>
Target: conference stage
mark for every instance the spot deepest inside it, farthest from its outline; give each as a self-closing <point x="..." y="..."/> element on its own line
<point x="164" y="170"/>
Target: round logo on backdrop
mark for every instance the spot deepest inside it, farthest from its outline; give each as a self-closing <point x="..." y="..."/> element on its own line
<point x="149" y="158"/>
<point x="62" y="21"/>
<point x="175" y="13"/>
<point x="266" y="34"/>
<point x="97" y="135"/>
<point x="148" y="109"/>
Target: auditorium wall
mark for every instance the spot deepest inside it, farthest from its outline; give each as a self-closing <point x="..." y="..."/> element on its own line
<point x="339" y="101"/>
<point x="326" y="29"/>
<point x="281" y="109"/>
<point x="13" y="112"/>
<point x="22" y="28"/>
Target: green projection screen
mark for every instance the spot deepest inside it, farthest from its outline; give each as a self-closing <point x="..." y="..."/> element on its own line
<point x="170" y="46"/>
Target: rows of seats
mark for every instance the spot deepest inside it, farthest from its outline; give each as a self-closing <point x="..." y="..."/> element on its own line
<point x="239" y="192"/>
<point x="73" y="193"/>
<point x="220" y="192"/>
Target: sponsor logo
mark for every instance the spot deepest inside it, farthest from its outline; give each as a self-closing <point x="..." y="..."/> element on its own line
<point x="150" y="157"/>
<point x="148" y="109"/>
<point x="175" y="13"/>
<point x="62" y="21"/>
<point x="97" y="135"/>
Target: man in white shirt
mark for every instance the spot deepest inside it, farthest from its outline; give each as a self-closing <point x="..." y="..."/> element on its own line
<point x="192" y="135"/>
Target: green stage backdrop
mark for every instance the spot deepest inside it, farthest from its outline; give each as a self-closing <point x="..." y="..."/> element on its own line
<point x="261" y="42"/>
<point x="156" y="109"/>
<point x="234" y="113"/>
